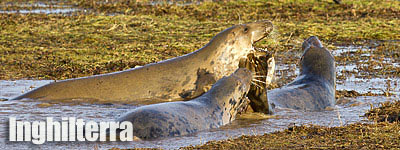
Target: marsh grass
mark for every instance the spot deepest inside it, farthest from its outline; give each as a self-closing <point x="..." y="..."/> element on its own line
<point x="386" y="112"/>
<point x="355" y="136"/>
<point x="116" y="35"/>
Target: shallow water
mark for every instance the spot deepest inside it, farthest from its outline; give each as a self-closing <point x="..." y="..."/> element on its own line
<point x="344" y="113"/>
<point x="42" y="11"/>
<point x="51" y="7"/>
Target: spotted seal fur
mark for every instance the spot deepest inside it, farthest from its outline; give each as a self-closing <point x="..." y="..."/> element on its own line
<point x="314" y="87"/>
<point x="213" y="109"/>
<point x="183" y="77"/>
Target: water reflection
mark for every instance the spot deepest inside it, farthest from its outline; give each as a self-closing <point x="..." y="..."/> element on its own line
<point x="42" y="11"/>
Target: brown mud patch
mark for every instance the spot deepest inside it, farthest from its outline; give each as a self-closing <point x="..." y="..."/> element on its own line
<point x="386" y="112"/>
<point x="356" y="136"/>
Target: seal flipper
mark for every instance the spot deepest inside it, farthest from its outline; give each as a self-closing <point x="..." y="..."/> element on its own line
<point x="204" y="82"/>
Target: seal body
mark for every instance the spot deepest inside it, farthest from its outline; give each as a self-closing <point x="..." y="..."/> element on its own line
<point x="314" y="87"/>
<point x="183" y="77"/>
<point x="213" y="109"/>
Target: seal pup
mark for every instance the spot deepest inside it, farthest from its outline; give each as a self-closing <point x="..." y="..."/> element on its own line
<point x="179" y="78"/>
<point x="213" y="109"/>
<point x="314" y="87"/>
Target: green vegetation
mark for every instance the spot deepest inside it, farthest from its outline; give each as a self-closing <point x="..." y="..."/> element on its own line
<point x="117" y="35"/>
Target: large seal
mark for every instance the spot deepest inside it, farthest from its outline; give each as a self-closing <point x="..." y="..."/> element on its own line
<point x="314" y="87"/>
<point x="179" y="78"/>
<point x="213" y="109"/>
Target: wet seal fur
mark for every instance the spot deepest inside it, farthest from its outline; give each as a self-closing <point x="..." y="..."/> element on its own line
<point x="314" y="87"/>
<point x="180" y="78"/>
<point x="213" y="109"/>
<point x="262" y="64"/>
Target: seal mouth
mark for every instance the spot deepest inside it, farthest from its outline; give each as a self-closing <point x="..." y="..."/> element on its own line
<point x="264" y="31"/>
<point x="261" y="63"/>
<point x="268" y="27"/>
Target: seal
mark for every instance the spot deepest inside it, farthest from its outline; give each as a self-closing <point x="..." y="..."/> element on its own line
<point x="314" y="87"/>
<point x="213" y="109"/>
<point x="262" y="64"/>
<point x="180" y="78"/>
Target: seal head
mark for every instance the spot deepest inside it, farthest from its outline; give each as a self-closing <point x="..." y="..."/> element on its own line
<point x="317" y="60"/>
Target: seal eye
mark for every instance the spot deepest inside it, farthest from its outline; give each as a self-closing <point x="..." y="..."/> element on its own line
<point x="246" y="29"/>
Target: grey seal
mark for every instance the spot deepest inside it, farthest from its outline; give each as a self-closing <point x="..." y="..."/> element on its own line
<point x="179" y="78"/>
<point x="213" y="109"/>
<point x="314" y="87"/>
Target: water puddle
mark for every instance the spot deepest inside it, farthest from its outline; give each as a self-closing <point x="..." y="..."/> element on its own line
<point x="38" y="8"/>
<point x="42" y="11"/>
<point x="344" y="113"/>
<point x="53" y="7"/>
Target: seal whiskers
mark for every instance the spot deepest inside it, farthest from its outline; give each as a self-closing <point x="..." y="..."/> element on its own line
<point x="260" y="76"/>
<point x="259" y="81"/>
<point x="253" y="83"/>
<point x="262" y="64"/>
